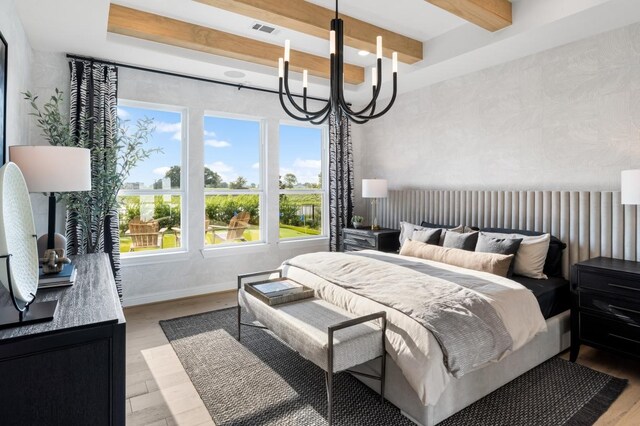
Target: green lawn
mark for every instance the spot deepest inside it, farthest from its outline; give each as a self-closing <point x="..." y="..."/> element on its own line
<point x="251" y="234"/>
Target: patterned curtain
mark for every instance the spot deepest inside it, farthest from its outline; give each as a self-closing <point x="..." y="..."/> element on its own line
<point x="94" y="94"/>
<point x="341" y="183"/>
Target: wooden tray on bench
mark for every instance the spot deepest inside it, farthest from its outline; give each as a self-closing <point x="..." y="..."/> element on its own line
<point x="278" y="291"/>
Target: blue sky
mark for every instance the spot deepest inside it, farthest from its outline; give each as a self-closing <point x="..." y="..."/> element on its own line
<point x="166" y="136"/>
<point x="232" y="147"/>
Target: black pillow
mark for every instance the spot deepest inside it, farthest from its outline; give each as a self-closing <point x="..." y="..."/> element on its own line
<point x="488" y="244"/>
<point x="553" y="263"/>
<point x="428" y="236"/>
<point x="461" y="241"/>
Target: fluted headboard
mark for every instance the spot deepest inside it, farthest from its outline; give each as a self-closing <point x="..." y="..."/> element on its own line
<point x="591" y="223"/>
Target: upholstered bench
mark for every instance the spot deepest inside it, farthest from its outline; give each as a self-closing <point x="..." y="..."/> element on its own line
<point x="330" y="337"/>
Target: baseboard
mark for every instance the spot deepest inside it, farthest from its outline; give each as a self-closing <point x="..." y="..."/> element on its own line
<point x="180" y="293"/>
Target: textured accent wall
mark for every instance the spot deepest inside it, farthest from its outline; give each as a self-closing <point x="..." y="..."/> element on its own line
<point x="563" y="119"/>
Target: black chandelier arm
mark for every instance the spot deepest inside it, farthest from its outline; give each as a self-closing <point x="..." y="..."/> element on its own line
<point x="376" y="93"/>
<point x="391" y="102"/>
<point x="312" y="114"/>
<point x="289" y="113"/>
<point x="359" y="121"/>
<point x="322" y="120"/>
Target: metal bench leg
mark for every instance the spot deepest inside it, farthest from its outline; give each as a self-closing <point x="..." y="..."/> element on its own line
<point x="329" y="382"/>
<point x="383" y="368"/>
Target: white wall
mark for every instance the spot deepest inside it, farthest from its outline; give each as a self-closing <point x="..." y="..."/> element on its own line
<point x="567" y="118"/>
<point x="18" y="73"/>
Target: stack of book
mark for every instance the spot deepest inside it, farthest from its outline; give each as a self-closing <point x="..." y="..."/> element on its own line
<point x="278" y="291"/>
<point x="59" y="279"/>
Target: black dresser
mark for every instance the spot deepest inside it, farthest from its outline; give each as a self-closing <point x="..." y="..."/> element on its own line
<point x="605" y="306"/>
<point x="69" y="371"/>
<point x="366" y="239"/>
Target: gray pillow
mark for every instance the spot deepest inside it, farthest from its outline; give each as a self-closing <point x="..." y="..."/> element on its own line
<point x="428" y="236"/>
<point x="461" y="241"/>
<point x="488" y="244"/>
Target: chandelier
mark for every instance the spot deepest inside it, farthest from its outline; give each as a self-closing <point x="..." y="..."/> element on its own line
<point x="336" y="101"/>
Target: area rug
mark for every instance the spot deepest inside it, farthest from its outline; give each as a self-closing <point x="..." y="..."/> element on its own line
<point x="261" y="381"/>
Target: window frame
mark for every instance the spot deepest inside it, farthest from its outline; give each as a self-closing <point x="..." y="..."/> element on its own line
<point x="262" y="177"/>
<point x="184" y="184"/>
<point x="324" y="191"/>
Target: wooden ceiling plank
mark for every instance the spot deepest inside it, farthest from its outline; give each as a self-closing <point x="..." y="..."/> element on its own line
<point x="148" y="26"/>
<point x="309" y="18"/>
<point x="492" y="15"/>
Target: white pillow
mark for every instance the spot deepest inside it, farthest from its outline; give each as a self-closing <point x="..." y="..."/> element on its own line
<point x="406" y="231"/>
<point x="531" y="255"/>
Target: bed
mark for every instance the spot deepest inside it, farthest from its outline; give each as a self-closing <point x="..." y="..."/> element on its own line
<point x="428" y="377"/>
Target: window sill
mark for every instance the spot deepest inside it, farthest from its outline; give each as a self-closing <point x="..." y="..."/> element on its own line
<point x="151" y="258"/>
<point x="234" y="249"/>
<point x="243" y="249"/>
<point x="292" y="243"/>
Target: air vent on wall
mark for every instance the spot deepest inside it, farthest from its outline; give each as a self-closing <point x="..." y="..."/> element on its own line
<point x="264" y="28"/>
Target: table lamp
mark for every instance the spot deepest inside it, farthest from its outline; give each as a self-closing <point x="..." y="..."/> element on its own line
<point x="374" y="189"/>
<point x="630" y="187"/>
<point x="51" y="169"/>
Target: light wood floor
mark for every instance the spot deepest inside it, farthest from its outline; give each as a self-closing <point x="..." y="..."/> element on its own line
<point x="159" y="392"/>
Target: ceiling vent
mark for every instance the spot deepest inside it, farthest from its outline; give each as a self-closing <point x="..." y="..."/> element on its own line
<point x="264" y="28"/>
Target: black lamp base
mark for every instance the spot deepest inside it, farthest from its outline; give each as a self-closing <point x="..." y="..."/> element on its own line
<point x="37" y="312"/>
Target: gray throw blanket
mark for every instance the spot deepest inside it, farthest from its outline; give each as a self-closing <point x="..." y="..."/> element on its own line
<point x="466" y="326"/>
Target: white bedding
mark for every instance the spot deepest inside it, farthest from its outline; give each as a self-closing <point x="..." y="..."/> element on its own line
<point x="412" y="346"/>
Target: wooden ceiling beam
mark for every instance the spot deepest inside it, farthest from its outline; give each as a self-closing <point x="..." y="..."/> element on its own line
<point x="492" y="15"/>
<point x="308" y="18"/>
<point x="148" y="26"/>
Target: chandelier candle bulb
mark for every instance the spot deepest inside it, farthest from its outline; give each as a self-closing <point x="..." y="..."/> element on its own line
<point x="305" y="76"/>
<point x="287" y="48"/>
<point x="395" y="61"/>
<point x="379" y="47"/>
<point x="374" y="76"/>
<point x="332" y="42"/>
<point x="280" y="68"/>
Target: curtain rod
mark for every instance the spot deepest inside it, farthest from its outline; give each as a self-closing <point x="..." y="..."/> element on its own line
<point x="190" y="77"/>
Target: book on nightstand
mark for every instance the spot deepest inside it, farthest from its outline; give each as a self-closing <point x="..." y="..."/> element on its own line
<point x="65" y="277"/>
<point x="278" y="291"/>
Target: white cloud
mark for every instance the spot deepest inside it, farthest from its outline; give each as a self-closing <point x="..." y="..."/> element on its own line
<point x="226" y="171"/>
<point x="123" y="114"/>
<point x="175" y="128"/>
<point x="255" y="166"/>
<point x="216" y="143"/>
<point x="220" y="167"/>
<point x="307" y="164"/>
<point x="303" y="174"/>
<point x="210" y="134"/>
<point x="161" y="170"/>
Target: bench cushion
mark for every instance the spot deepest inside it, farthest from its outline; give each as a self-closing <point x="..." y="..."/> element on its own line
<point x="303" y="326"/>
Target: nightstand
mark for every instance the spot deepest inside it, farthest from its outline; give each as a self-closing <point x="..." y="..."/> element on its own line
<point x="383" y="239"/>
<point x="605" y="306"/>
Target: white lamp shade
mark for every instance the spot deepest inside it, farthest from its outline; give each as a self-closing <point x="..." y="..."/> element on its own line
<point x="630" y="186"/>
<point x="374" y="188"/>
<point x="53" y="168"/>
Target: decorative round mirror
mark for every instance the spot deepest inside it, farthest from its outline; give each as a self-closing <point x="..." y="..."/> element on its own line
<point x="17" y="237"/>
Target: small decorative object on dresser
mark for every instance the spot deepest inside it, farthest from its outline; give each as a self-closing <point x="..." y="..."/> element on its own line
<point x="382" y="239"/>
<point x="605" y="306"/>
<point x="357" y="222"/>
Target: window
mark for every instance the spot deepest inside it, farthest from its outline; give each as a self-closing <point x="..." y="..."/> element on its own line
<point x="152" y="198"/>
<point x="233" y="188"/>
<point x="302" y="187"/>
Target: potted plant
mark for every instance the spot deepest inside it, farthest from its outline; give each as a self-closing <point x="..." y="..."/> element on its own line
<point x="126" y="150"/>
<point x="357" y="221"/>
